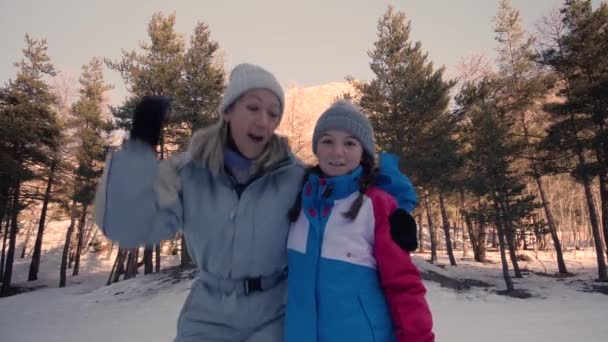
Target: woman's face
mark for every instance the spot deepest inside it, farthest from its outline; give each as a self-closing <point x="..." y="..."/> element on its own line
<point x="339" y="153"/>
<point x="253" y="118"/>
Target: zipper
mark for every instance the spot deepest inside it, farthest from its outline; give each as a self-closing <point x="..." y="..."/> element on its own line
<point x="279" y="168"/>
<point x="322" y="226"/>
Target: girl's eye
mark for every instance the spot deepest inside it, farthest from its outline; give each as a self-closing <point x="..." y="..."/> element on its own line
<point x="273" y="115"/>
<point x="351" y="143"/>
<point x="326" y="141"/>
<point x="253" y="108"/>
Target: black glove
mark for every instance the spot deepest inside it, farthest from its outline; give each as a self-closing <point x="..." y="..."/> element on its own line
<point x="148" y="118"/>
<point x="404" y="230"/>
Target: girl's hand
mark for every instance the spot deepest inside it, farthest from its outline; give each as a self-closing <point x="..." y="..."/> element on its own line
<point x="404" y="230"/>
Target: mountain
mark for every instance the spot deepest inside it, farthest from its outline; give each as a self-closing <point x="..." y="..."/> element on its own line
<point x="303" y="106"/>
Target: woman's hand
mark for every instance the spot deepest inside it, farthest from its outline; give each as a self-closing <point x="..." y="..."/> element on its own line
<point x="148" y="118"/>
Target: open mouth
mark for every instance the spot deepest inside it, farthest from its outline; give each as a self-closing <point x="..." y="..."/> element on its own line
<point x="256" y="138"/>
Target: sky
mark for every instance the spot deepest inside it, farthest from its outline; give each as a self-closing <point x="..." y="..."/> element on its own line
<point x="304" y="43"/>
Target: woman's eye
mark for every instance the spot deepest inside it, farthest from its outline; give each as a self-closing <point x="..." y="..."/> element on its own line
<point x="326" y="141"/>
<point x="253" y="108"/>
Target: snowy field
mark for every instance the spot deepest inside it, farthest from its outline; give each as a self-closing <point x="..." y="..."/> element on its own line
<point x="146" y="308"/>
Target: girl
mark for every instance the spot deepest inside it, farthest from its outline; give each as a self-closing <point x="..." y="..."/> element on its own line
<point x="347" y="277"/>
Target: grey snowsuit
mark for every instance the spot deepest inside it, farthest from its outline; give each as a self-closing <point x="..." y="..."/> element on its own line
<point x="238" y="240"/>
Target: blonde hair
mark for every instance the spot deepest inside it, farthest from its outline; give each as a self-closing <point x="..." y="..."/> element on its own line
<point x="207" y="147"/>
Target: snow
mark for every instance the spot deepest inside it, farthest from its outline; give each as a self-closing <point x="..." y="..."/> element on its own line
<point x="146" y="308"/>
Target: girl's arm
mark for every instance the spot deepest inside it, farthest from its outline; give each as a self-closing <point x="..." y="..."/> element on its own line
<point x="399" y="277"/>
<point x="391" y="180"/>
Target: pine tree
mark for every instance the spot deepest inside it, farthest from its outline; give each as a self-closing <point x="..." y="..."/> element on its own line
<point x="407" y="103"/>
<point x="59" y="172"/>
<point x="193" y="78"/>
<point x="28" y="131"/>
<point x="490" y="155"/>
<point x="90" y="134"/>
<point x="158" y="70"/>
<point x="580" y="125"/>
<point x="473" y="70"/>
<point x="523" y="84"/>
<point x="202" y="83"/>
<point x="51" y="178"/>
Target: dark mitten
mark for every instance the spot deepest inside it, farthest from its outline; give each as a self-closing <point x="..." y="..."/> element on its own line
<point x="404" y="230"/>
<point x="148" y="118"/>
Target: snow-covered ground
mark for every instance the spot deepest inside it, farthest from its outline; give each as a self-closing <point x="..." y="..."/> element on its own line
<point x="146" y="308"/>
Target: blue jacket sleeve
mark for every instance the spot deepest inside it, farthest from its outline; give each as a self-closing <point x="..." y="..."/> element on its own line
<point x="126" y="202"/>
<point x="391" y="180"/>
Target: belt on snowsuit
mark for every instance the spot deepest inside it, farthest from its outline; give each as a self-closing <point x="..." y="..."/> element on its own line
<point x="242" y="286"/>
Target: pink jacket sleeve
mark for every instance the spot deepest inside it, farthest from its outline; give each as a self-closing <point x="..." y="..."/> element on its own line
<point x="399" y="277"/>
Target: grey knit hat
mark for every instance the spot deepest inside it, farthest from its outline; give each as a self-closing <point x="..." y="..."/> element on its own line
<point x="245" y="77"/>
<point x="345" y="116"/>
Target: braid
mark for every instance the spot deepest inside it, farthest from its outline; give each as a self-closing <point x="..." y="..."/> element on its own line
<point x="366" y="180"/>
<point x="294" y="212"/>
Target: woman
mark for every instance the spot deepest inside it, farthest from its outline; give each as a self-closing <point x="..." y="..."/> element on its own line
<point x="229" y="194"/>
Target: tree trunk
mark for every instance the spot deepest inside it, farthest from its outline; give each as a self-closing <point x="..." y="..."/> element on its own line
<point x="446" y="229"/>
<point x="4" y="238"/>
<point x="4" y="217"/>
<point x="81" y="223"/>
<point x="131" y="269"/>
<point x="66" y="245"/>
<point x="186" y="260"/>
<point x="503" y="255"/>
<point x="429" y="219"/>
<point x="595" y="229"/>
<point x="420" y="232"/>
<point x="469" y="228"/>
<point x="604" y="198"/>
<point x="537" y="233"/>
<point x="4" y="204"/>
<point x="72" y="253"/>
<point x="460" y="229"/>
<point x="521" y="241"/>
<point x="510" y="234"/>
<point x="561" y="264"/>
<point x="119" y="266"/>
<point x="10" y="255"/>
<point x="174" y="244"/>
<point x="28" y="235"/>
<point x="481" y="242"/>
<point x="157" y="252"/>
<point x="494" y="237"/>
<point x="35" y="263"/>
<point x="509" y="231"/>
<point x="113" y="270"/>
<point x="148" y="262"/>
<point x="109" y="253"/>
<point x="90" y="240"/>
<point x="465" y="237"/>
<point x="599" y="249"/>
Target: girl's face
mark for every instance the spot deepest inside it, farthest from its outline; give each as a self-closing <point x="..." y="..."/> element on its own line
<point x="339" y="153"/>
<point x="253" y="118"/>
